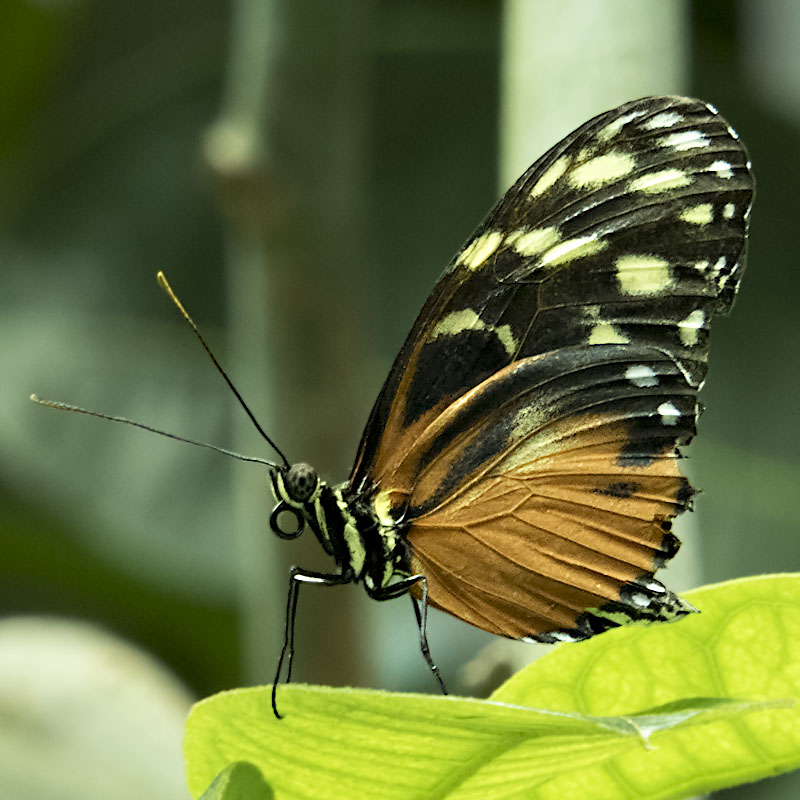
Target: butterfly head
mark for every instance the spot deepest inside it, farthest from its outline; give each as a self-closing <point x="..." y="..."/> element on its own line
<point x="294" y="487"/>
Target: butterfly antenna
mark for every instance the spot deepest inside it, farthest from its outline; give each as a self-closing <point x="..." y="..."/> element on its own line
<point x="164" y="284"/>
<point x="78" y="410"/>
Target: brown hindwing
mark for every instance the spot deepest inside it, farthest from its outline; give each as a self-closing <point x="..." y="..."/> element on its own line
<point x="563" y="509"/>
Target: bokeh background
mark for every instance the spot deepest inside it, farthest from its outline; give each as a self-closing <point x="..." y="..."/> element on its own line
<point x="302" y="171"/>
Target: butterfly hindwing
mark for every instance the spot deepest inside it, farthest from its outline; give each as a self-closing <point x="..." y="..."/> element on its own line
<point x="544" y="497"/>
<point x="531" y="422"/>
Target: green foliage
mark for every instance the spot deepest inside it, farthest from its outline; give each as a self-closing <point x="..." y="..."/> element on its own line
<point x="651" y="712"/>
<point x="239" y="781"/>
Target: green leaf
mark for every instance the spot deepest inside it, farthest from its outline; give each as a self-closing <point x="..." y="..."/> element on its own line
<point x="627" y="714"/>
<point x="746" y="643"/>
<point x="239" y="781"/>
<point x="358" y="743"/>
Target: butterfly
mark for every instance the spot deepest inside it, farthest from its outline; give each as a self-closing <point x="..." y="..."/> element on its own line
<point x="520" y="467"/>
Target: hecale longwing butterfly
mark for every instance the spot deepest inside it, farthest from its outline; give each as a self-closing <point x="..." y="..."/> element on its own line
<point x="519" y="469"/>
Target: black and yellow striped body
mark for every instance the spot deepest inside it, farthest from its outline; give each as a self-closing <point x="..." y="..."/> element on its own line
<point x="364" y="548"/>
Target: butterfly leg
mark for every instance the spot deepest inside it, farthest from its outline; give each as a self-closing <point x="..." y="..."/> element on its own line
<point x="297" y="577"/>
<point x="420" y="612"/>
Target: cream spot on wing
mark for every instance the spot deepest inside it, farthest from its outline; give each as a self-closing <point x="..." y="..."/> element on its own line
<point x="550" y="176"/>
<point x="613" y="128"/>
<point x="689" y="326"/>
<point x="661" y="181"/>
<point x="481" y="248"/>
<point x="669" y="414"/>
<point x="722" y="262"/>
<point x="666" y="119"/>
<point x="642" y="274"/>
<point x="685" y="140"/>
<point x="701" y="214"/>
<point x="572" y="249"/>
<point x="533" y="242"/>
<point x="653" y="585"/>
<point x="564" y="636"/>
<point x="641" y="375"/>
<point x="606" y="333"/>
<point x="701" y="266"/>
<point x="467" y="319"/>
<point x="722" y="168"/>
<point x="602" y="169"/>
<point x="728" y="210"/>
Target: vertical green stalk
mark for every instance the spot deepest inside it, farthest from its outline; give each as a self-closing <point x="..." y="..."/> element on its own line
<point x="238" y="150"/>
<point x="288" y="150"/>
<point x="565" y="61"/>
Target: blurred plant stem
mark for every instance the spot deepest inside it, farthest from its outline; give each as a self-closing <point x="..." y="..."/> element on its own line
<point x="237" y="150"/>
<point x="286" y="152"/>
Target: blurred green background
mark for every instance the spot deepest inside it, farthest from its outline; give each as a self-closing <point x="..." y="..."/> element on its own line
<point x="302" y="171"/>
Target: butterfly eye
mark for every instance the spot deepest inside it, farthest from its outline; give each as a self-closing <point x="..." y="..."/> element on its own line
<point x="279" y="517"/>
<point x="301" y="480"/>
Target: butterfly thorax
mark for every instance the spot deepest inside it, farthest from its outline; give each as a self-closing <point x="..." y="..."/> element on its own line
<point x="364" y="547"/>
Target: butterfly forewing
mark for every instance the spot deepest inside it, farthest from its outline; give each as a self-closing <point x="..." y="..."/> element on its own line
<point x="527" y="434"/>
<point x="629" y="230"/>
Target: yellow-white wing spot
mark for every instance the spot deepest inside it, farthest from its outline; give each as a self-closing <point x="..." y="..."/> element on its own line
<point x="689" y="326"/>
<point x="661" y="181"/>
<point x="664" y="120"/>
<point x="602" y="169"/>
<point x="669" y="414"/>
<point x="701" y="266"/>
<point x="551" y="175"/>
<point x="642" y="274"/>
<point x="481" y="248"/>
<point x="529" y="443"/>
<point x="606" y="333"/>
<point x="728" y="210"/>
<point x="641" y="375"/>
<point x="467" y="319"/>
<point x="613" y="128"/>
<point x="701" y="214"/>
<point x="722" y="262"/>
<point x="722" y="168"/>
<point x="572" y="249"/>
<point x="533" y="242"/>
<point x="685" y="140"/>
